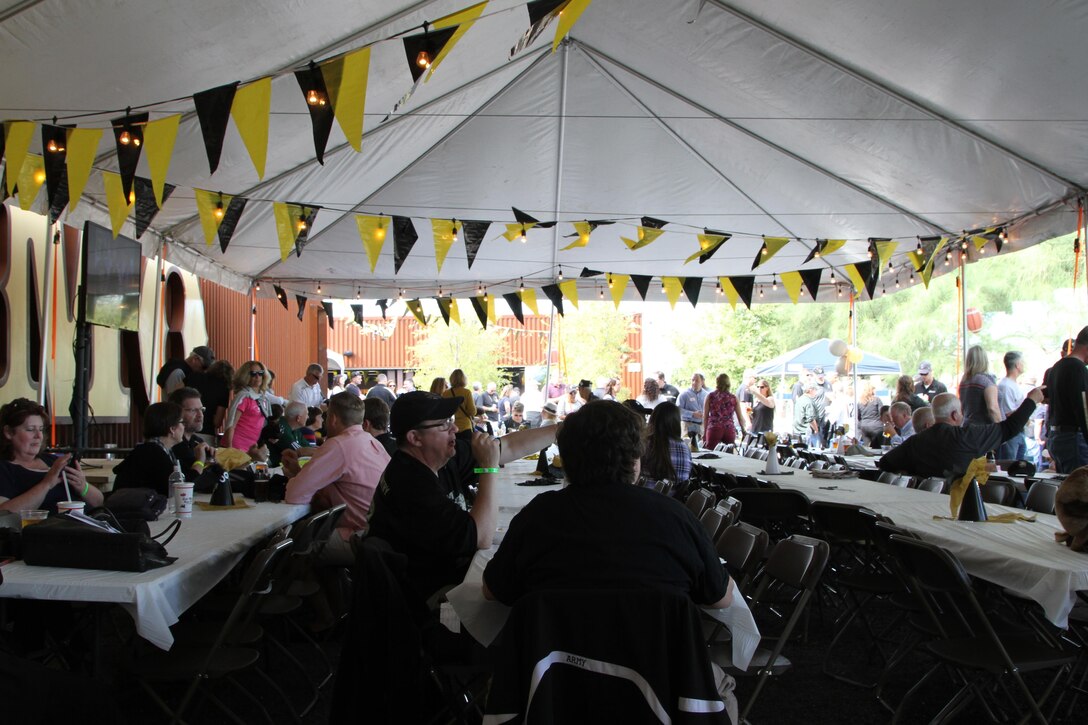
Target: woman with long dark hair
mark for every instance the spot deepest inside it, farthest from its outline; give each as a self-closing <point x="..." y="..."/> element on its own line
<point x="666" y="456"/>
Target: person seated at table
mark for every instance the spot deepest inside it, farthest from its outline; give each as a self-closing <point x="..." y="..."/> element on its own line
<point x="667" y="457"/>
<point x="288" y="431"/>
<point x="516" y="420"/>
<point x="150" y="464"/>
<point x="420" y="505"/>
<point x="899" y="425"/>
<point x="602" y="532"/>
<point x="947" y="447"/>
<point x="29" y="478"/>
<point x="314" y="430"/>
<point x="376" y="423"/>
<point x="922" y="419"/>
<point x="869" y="423"/>
<point x="343" y="470"/>
<point x="192" y="453"/>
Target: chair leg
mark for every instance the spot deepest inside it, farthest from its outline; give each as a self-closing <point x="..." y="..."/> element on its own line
<point x="301" y="668"/>
<point x="912" y="691"/>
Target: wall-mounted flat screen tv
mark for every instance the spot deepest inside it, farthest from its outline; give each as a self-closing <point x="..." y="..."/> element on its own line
<point x="112" y="272"/>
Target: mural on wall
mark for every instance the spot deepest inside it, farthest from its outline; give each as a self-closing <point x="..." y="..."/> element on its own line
<point x="26" y="289"/>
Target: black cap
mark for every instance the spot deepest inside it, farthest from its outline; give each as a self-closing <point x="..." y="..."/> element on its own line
<point x="413" y="408"/>
<point x="817" y="370"/>
<point x="205" y="354"/>
<point x="584" y="384"/>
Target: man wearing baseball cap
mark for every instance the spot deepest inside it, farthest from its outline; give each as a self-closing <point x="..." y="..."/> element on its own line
<point x="928" y="386"/>
<point x="177" y="374"/>
<point x="419" y="506"/>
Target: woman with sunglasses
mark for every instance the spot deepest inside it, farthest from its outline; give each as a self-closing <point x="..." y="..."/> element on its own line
<point x="249" y="409"/>
<point x="30" y="479"/>
<point x="150" y="464"/>
<point x="763" y="410"/>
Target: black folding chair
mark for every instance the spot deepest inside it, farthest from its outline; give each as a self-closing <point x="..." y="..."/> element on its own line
<point x="1041" y="497"/>
<point x="779" y="512"/>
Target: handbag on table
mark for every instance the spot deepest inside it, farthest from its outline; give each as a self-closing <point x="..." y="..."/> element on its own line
<point x="68" y="541"/>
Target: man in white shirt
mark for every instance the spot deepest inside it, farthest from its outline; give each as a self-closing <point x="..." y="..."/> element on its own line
<point x="308" y="389"/>
<point x="1009" y="398"/>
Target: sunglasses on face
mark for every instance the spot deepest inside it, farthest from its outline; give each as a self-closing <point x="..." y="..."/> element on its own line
<point x="256" y="373"/>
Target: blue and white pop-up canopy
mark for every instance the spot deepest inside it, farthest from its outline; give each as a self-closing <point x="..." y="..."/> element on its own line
<point x="816" y="353"/>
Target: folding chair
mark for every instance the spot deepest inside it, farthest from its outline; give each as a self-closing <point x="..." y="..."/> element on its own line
<point x="933" y="485"/>
<point x="742" y="548"/>
<point x="1001" y="493"/>
<point x="785" y="584"/>
<point x="730" y="508"/>
<point x="780" y="512"/>
<point x="203" y="661"/>
<point x="1041" y="497"/>
<point x="713" y="521"/>
<point x="968" y="645"/>
<point x="699" y="500"/>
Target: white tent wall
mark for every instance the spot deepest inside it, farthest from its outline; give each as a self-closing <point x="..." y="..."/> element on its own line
<point x="810" y="120"/>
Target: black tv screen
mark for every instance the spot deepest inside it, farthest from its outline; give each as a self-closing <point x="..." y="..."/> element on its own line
<point x="112" y="267"/>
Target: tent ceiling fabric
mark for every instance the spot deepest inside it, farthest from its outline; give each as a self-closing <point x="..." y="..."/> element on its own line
<point x="844" y="120"/>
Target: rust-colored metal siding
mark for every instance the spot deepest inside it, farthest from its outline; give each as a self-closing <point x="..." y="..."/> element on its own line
<point x="283" y="343"/>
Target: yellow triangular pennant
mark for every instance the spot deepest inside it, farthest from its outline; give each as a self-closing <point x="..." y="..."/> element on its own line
<point x="617" y="286"/>
<point x="771" y="247"/>
<point x="455" y="312"/>
<point x="159" y="138"/>
<point x="730" y="291"/>
<point x="792" y="282"/>
<point x="211" y="205"/>
<point x="926" y="272"/>
<point x="445" y="234"/>
<point x="491" y="317"/>
<point x="568" y="16"/>
<point x="980" y="240"/>
<point x="937" y="248"/>
<point x="917" y="259"/>
<point x="119" y="206"/>
<point x="584" y="229"/>
<point x="17" y="138"/>
<point x="515" y="231"/>
<point x="345" y="79"/>
<point x="885" y="250"/>
<point x="646" y="235"/>
<point x="463" y="19"/>
<point x="82" y="148"/>
<point x="251" y="109"/>
<point x="674" y="286"/>
<point x="569" y="288"/>
<point x="707" y="243"/>
<point x="372" y="231"/>
<point x="855" y="277"/>
<point x="288" y="217"/>
<point x="31" y="178"/>
<point x="832" y="245"/>
<point x="416" y="307"/>
<point x="528" y="298"/>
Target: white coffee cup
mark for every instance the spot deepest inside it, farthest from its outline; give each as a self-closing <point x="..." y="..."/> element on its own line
<point x="64" y="507"/>
<point x="184" y="495"/>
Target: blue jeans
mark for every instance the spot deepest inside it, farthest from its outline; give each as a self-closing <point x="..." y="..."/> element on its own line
<point x="1069" y="451"/>
<point x="1014" y="449"/>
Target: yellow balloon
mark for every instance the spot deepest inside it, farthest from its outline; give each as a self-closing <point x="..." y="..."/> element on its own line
<point x="854" y="355"/>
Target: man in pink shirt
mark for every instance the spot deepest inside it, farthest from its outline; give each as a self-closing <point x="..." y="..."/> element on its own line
<point x="345" y="469"/>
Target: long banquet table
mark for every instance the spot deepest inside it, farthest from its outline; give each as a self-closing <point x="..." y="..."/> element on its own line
<point x="1022" y="557"/>
<point x="484" y="619"/>
<point x="207" y="547"/>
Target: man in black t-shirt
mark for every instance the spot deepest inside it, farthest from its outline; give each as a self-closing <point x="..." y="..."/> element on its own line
<point x="928" y="387"/>
<point x="668" y="392"/>
<point x="1067" y="392"/>
<point x="420" y="505"/>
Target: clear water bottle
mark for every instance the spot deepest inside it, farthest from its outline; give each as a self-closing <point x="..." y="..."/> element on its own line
<point x="176" y="477"/>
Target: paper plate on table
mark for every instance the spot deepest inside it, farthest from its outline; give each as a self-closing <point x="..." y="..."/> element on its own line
<point x="834" y="475"/>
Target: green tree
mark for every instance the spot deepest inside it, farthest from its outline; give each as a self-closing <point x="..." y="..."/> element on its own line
<point x="437" y="350"/>
<point x="594" y="340"/>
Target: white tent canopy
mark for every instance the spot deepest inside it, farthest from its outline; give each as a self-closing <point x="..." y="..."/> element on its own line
<point x="849" y="120"/>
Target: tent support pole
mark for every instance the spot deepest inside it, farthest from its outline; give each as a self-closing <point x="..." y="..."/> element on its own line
<point x="45" y="326"/>
<point x="558" y="197"/>
<point x="853" y="367"/>
<point x="963" y="311"/>
<point x="155" y="332"/>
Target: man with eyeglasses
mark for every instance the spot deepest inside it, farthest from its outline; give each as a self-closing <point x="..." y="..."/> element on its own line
<point x="420" y="506"/>
<point x="192" y="453"/>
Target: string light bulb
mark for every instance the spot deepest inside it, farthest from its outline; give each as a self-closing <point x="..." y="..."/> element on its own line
<point x="219" y="211"/>
<point x="131" y="194"/>
<point x="379" y="233"/>
<point x="948" y="258"/>
<point x="358" y="292"/>
<point x="718" y="287"/>
<point x="258" y="285"/>
<point x="521" y="237"/>
<point x="319" y="288"/>
<point x="838" y="290"/>
<point x="918" y="249"/>
<point x="54" y="147"/>
<point x="600" y="292"/>
<point x="761" y="291"/>
<point x="400" y="296"/>
<point x="912" y="279"/>
<point x="423" y="59"/>
<point x="479" y="289"/>
<point x="314" y="98"/>
<point x="453" y="231"/>
<point x="125" y="138"/>
<point x="610" y="283"/>
<point x="560" y="274"/>
<point x="774" y="283"/>
<point x="521" y="285"/>
<point x="1002" y="235"/>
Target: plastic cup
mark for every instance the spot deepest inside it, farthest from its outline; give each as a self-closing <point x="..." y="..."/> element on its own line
<point x="29" y="517"/>
<point x="184" y="494"/>
<point x="109" y="456"/>
<point x="303" y="460"/>
<point x="64" y="507"/>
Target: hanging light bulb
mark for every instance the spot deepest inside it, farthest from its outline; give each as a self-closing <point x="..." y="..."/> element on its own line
<point x="125" y="138"/>
<point x="610" y="280"/>
<point x="258" y="285"/>
<point x="982" y="249"/>
<point x="453" y="231"/>
<point x="838" y="290"/>
<point x="522" y="238"/>
<point x="314" y="98"/>
<point x="948" y="258"/>
<point x="919" y="247"/>
<point x="600" y="292"/>
<point x="319" y="288"/>
<point x="423" y="59"/>
<point x="131" y="194"/>
<point x="890" y="265"/>
<point x="479" y="289"/>
<point x="135" y="140"/>
<point x="400" y="296"/>
<point x="379" y="233"/>
<point x="870" y="252"/>
<point x="302" y="224"/>
<point x="54" y="146"/>
<point x="718" y="287"/>
<point x="774" y="283"/>
<point x="761" y="291"/>
<point x="912" y="280"/>
<point x="662" y="285"/>
<point x="521" y="285"/>
<point x="560" y="274"/>
<point x="1002" y="235"/>
<point x="897" y="281"/>
<point x="219" y="211"/>
<point x="832" y="276"/>
<point x="358" y="292"/>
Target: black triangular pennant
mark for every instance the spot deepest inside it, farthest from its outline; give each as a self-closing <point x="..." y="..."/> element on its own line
<point x="280" y="295"/>
<point x="231" y="215"/>
<point x="3" y="177"/>
<point x="54" y="144"/>
<point x="555" y="295"/>
<point x="312" y="83"/>
<point x="587" y="272"/>
<point x="146" y="206"/>
<point x="128" y="133"/>
<point x="642" y="284"/>
<point x="429" y="42"/>
<point x="481" y="309"/>
<point x="383" y="305"/>
<point x="651" y="223"/>
<point x="404" y="238"/>
<point x="522" y="218"/>
<point x="540" y="15"/>
<point x="870" y="273"/>
<point x="817" y="248"/>
<point x="513" y="299"/>
<point x="473" y="232"/>
<point x="328" y="312"/>
<point x="744" y="287"/>
<point x="811" y="278"/>
<point x="213" y="110"/>
<point x="357" y="311"/>
<point x="301" y="306"/>
<point x="707" y="255"/>
<point x="692" y="287"/>
<point x="444" y="308"/>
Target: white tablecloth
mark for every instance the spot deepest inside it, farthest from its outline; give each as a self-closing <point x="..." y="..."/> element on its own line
<point x="1022" y="557"/>
<point x="484" y="619"/>
<point x="207" y="546"/>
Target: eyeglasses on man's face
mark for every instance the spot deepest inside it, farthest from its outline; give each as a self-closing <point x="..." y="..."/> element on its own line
<point x="445" y="425"/>
<point x="193" y="411"/>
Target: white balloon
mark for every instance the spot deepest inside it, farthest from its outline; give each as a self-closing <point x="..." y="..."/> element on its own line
<point x="837" y="347"/>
